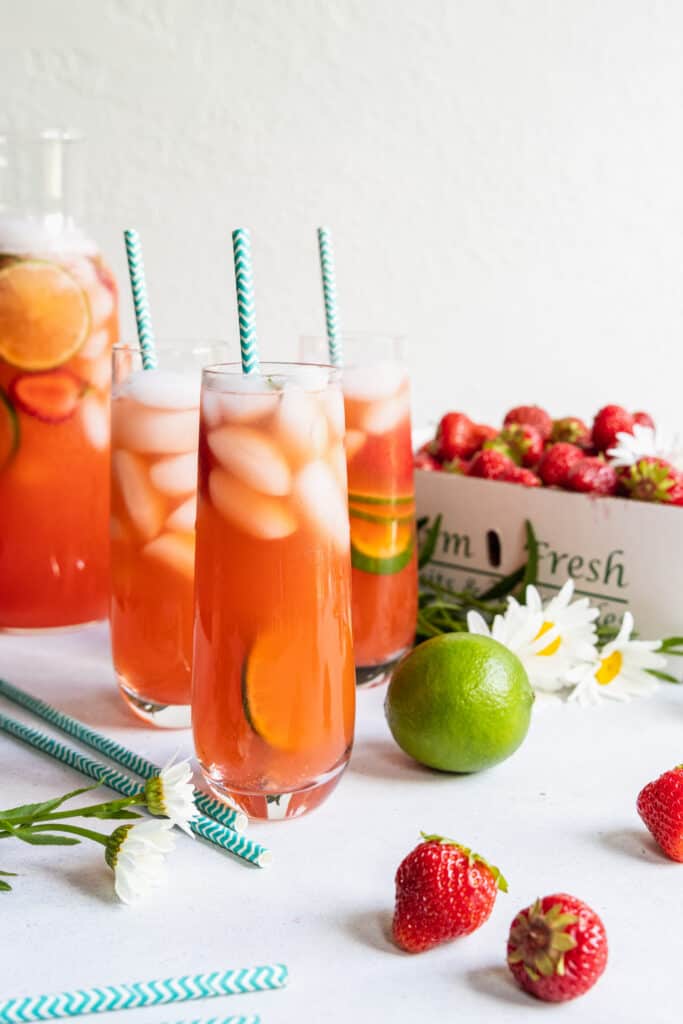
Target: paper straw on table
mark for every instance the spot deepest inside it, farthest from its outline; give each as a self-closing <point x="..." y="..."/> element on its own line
<point x="246" y="309"/>
<point x="116" y="780"/>
<point x="143" y="317"/>
<point x="329" y="279"/>
<point x="227" y="816"/>
<point x="102" y="999"/>
<point x="253" y="1018"/>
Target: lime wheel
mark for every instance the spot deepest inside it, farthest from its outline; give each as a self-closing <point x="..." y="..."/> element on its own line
<point x="382" y="532"/>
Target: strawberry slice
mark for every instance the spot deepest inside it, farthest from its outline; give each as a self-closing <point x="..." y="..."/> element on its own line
<point x="51" y="397"/>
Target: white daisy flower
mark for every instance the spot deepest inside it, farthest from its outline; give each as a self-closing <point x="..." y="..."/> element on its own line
<point x="548" y="639"/>
<point x="136" y="855"/>
<point x="620" y="670"/>
<point x="645" y="442"/>
<point x="170" y="794"/>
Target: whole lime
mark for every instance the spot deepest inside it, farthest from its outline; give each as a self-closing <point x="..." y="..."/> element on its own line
<point x="459" y="702"/>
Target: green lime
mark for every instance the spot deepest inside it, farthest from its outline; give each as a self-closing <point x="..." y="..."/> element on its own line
<point x="459" y="702"/>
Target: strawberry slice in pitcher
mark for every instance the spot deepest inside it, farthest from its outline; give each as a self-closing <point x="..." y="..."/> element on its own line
<point x="51" y="397"/>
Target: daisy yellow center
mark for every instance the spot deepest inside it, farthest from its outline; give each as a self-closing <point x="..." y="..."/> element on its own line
<point x="553" y="647"/>
<point x="610" y="667"/>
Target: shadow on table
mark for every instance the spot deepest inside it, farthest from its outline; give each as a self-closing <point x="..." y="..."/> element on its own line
<point x="382" y="759"/>
<point x="497" y="982"/>
<point x="373" y="928"/>
<point x="94" y="880"/>
<point x="635" y="843"/>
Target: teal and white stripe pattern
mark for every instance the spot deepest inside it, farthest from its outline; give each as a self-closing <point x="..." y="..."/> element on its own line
<point x="217" y="834"/>
<point x="143" y="317"/>
<point x="329" y="279"/>
<point x="104" y="998"/>
<point x="246" y="307"/>
<point x="233" y="819"/>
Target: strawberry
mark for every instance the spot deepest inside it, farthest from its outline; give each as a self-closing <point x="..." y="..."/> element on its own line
<point x="424" y="460"/>
<point x="660" y="805"/>
<point x="51" y="396"/>
<point x="443" y="891"/>
<point x="675" y="494"/>
<point x="557" y="948"/>
<point x="591" y="475"/>
<point x="483" y="432"/>
<point x="456" y="466"/>
<point x="523" y="476"/>
<point x="644" y="419"/>
<point x="557" y="461"/>
<point x="572" y="430"/>
<point x="648" y="479"/>
<point x="610" y="421"/>
<point x="533" y="416"/>
<point x="456" y="437"/>
<point x="524" y="441"/>
<point x="491" y="465"/>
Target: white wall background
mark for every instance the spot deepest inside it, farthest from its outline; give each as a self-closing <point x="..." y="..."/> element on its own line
<point x="504" y="179"/>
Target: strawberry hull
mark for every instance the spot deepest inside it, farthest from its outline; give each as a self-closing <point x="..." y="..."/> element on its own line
<point x="622" y="554"/>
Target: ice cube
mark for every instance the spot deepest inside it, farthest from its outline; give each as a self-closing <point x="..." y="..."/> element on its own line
<point x="252" y="458"/>
<point x="175" y="475"/>
<point x="145" y="507"/>
<point x="101" y="303"/>
<point x="175" y="550"/>
<point x="353" y="442"/>
<point x="183" y="518"/>
<point x="100" y="372"/>
<point x="212" y="413"/>
<point x="301" y="426"/>
<point x="250" y="398"/>
<point x="95" y="419"/>
<point x="158" y="432"/>
<point x="163" y="389"/>
<point x="309" y="377"/>
<point x="336" y="457"/>
<point x="318" y="499"/>
<point x="368" y="383"/>
<point x="381" y="417"/>
<point x="332" y="402"/>
<point x="95" y="345"/>
<point x="254" y="513"/>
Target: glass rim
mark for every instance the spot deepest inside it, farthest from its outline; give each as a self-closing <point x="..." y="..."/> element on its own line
<point x="357" y="336"/>
<point x="174" y="345"/>
<point x="282" y="368"/>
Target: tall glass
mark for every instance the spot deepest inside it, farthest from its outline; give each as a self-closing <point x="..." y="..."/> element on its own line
<point x="381" y="499"/>
<point x="58" y="322"/>
<point x="273" y="695"/>
<point x="155" y="427"/>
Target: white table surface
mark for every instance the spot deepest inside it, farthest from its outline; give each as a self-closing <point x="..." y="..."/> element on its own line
<point x="560" y="815"/>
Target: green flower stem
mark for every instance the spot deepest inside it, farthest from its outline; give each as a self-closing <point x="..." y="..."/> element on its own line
<point x="89" y="812"/>
<point x="76" y="830"/>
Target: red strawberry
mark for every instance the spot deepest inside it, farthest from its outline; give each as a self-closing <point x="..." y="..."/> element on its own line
<point x="557" y="461"/>
<point x="424" y="460"/>
<point x="456" y="437"/>
<point x="644" y="419"/>
<point x="676" y="492"/>
<point x="443" y="891"/>
<point x="591" y="475"/>
<point x="648" y="479"/>
<point x="533" y="416"/>
<point x="524" y="441"/>
<point x="483" y="433"/>
<point x="491" y="465"/>
<point x="557" y="948"/>
<point x="456" y="466"/>
<point x="610" y="421"/>
<point x="51" y="396"/>
<point x="572" y="430"/>
<point x="523" y="476"/>
<point x="660" y="805"/>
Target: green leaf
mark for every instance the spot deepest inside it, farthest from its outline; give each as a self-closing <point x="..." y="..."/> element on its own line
<point x="531" y="568"/>
<point x="44" y="838"/>
<point x="503" y="587"/>
<point x="5" y="886"/>
<point x="32" y="810"/>
<point x="428" y="545"/>
<point x="664" y="676"/>
<point x="110" y="815"/>
<point x="9" y="874"/>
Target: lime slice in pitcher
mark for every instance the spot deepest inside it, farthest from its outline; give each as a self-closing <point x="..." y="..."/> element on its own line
<point x="380" y="544"/>
<point x="44" y="315"/>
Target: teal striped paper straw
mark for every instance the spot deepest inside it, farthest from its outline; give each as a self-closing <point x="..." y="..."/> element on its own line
<point x="135" y="763"/>
<point x="329" y="279"/>
<point x="253" y="1018"/>
<point x="102" y="999"/>
<point x="116" y="780"/>
<point x="138" y="285"/>
<point x="246" y="308"/>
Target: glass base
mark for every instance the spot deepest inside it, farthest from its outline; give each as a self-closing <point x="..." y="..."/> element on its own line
<point x="368" y="676"/>
<point x="260" y="806"/>
<point x="163" y="716"/>
<point x="33" y="630"/>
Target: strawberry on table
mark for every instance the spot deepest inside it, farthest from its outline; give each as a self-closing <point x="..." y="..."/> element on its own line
<point x="456" y="437"/>
<point x="610" y="421"/>
<point x="592" y="475"/>
<point x="533" y="416"/>
<point x="443" y="891"/>
<point x="556" y="463"/>
<point x="557" y="948"/>
<point x="491" y="465"/>
<point x="572" y="430"/>
<point x="660" y="805"/>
